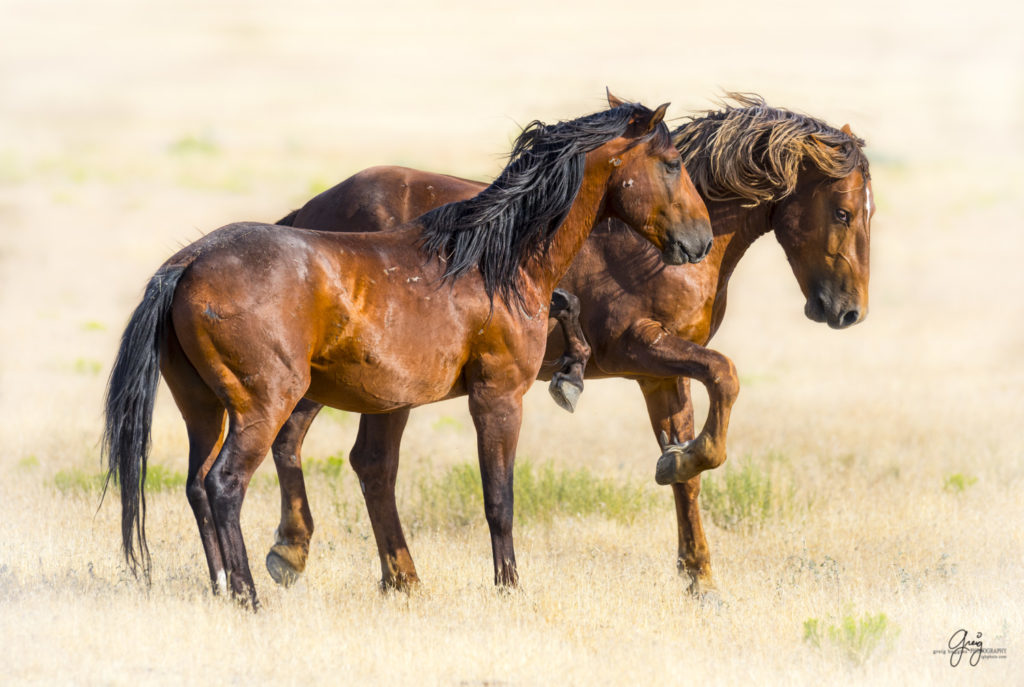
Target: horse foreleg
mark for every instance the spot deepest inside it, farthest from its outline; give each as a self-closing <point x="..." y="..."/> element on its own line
<point x="497" y="419"/>
<point x="671" y="412"/>
<point x="287" y="557"/>
<point x="649" y="350"/>
<point x="567" y="383"/>
<point x="375" y="460"/>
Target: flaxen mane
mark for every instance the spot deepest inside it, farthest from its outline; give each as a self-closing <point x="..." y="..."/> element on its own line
<point x="520" y="212"/>
<point x="752" y="151"/>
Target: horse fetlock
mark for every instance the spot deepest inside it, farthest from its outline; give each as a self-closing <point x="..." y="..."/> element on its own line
<point x="400" y="581"/>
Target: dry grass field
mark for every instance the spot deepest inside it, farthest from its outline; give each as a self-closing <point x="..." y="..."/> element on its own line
<point x="871" y="504"/>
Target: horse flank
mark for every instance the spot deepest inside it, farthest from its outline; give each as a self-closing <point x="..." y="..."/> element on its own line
<point x="521" y="210"/>
<point x="753" y="151"/>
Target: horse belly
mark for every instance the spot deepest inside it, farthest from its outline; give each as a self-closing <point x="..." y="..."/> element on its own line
<point x="370" y="378"/>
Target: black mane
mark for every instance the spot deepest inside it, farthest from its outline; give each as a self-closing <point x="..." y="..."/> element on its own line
<point x="521" y="210"/>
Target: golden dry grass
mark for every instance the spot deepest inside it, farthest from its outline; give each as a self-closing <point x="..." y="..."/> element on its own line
<point x="127" y="129"/>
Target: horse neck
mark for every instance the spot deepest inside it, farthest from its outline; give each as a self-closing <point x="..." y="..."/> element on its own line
<point x="545" y="269"/>
<point x="736" y="227"/>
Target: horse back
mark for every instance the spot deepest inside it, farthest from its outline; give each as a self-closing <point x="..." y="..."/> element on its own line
<point x="381" y="198"/>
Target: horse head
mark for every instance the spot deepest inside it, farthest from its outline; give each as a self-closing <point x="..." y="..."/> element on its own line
<point x="650" y="190"/>
<point x="824" y="227"/>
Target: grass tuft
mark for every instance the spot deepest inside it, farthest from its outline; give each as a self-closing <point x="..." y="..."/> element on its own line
<point x="330" y="467"/>
<point x="957" y="482"/>
<point x="745" y="497"/>
<point x="192" y="144"/>
<point x="455" y="499"/>
<point x="855" y="638"/>
<point x="78" y="481"/>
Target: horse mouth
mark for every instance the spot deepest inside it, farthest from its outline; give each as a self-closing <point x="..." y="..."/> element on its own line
<point x="836" y="315"/>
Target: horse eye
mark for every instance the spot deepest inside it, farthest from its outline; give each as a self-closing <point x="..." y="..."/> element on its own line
<point x="674" y="166"/>
<point x="842" y="215"/>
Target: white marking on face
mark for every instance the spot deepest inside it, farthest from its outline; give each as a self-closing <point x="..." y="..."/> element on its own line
<point x="867" y="201"/>
<point x="222" y="582"/>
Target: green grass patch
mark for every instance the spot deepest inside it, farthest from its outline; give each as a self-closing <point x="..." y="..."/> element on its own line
<point x="158" y="478"/>
<point x="957" y="482"/>
<point x="744" y="497"/>
<point x="446" y="422"/>
<point x="87" y="366"/>
<point x="340" y="417"/>
<point x="192" y="144"/>
<point x="855" y="638"/>
<point x="78" y="481"/>
<point x="28" y="463"/>
<point x="330" y="467"/>
<point x="542" y="492"/>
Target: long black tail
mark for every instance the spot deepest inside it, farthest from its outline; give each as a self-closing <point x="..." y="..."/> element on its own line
<point x="288" y="220"/>
<point x="129" y="409"/>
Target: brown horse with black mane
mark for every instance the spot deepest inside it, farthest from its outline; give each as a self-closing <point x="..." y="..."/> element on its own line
<point x="759" y="169"/>
<point x="253" y="317"/>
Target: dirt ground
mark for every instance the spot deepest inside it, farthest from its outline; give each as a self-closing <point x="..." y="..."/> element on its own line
<point x="129" y="129"/>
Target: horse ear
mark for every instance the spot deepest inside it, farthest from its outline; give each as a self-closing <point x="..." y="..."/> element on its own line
<point x="658" y="116"/>
<point x="847" y="130"/>
<point x="613" y="100"/>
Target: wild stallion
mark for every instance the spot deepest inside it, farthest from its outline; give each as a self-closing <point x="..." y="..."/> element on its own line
<point x="253" y="317"/>
<point x="759" y="169"/>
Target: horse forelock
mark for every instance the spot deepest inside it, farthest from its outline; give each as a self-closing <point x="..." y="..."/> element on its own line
<point x="520" y="211"/>
<point x="755" y="152"/>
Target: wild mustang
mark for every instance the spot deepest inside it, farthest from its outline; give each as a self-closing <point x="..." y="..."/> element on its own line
<point x="759" y="169"/>
<point x="253" y="317"/>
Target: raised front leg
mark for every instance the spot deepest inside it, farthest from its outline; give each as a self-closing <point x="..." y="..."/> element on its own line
<point x="671" y="412"/>
<point x="567" y="383"/>
<point x="375" y="460"/>
<point x="648" y="349"/>
<point x="498" y="419"/>
<point x="287" y="558"/>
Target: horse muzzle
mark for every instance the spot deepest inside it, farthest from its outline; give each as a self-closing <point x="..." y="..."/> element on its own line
<point x="688" y="246"/>
<point x="838" y="312"/>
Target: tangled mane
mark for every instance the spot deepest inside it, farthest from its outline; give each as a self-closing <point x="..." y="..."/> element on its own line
<point x="520" y="211"/>
<point x="752" y="151"/>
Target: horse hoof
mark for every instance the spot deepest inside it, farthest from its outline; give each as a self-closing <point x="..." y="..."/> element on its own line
<point x="565" y="391"/>
<point x="675" y="464"/>
<point x="281" y="570"/>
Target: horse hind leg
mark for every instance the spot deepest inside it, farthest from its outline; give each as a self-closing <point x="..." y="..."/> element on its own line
<point x="670" y="409"/>
<point x="286" y="560"/>
<point x="204" y="420"/>
<point x="567" y="383"/>
<point x="375" y="461"/>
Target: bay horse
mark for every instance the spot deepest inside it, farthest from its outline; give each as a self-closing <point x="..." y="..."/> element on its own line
<point x="759" y="169"/>
<point x="252" y="317"/>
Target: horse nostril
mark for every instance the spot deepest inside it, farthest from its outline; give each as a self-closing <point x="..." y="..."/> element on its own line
<point x="707" y="249"/>
<point x="850" y="317"/>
